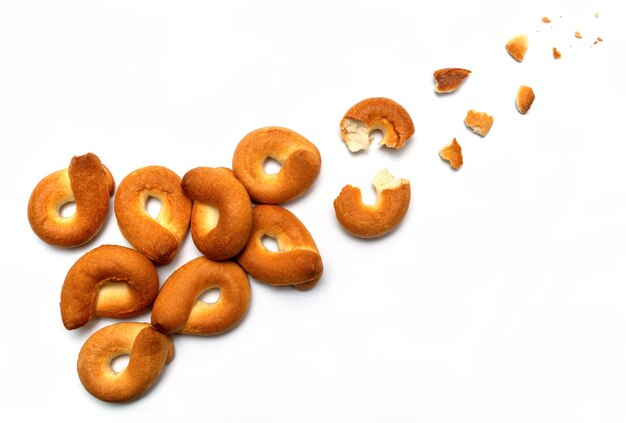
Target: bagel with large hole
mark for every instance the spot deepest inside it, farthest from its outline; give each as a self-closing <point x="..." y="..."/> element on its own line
<point x="149" y="352"/>
<point x="376" y="113"/>
<point x="221" y="216"/>
<point x="393" y="196"/>
<point x="109" y="281"/>
<point x="87" y="183"/>
<point x="178" y="308"/>
<point x="300" y="160"/>
<point x="297" y="261"/>
<point x="158" y="239"/>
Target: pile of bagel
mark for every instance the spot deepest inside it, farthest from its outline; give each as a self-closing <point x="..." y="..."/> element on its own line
<point x="228" y="213"/>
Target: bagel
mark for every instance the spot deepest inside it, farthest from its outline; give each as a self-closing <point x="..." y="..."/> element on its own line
<point x="158" y="239"/>
<point x="89" y="184"/>
<point x="393" y="196"/>
<point x="177" y="308"/>
<point x="109" y="281"/>
<point x="297" y="262"/>
<point x="149" y="352"/>
<point x="221" y="216"/>
<point x="300" y="160"/>
<point x="372" y="114"/>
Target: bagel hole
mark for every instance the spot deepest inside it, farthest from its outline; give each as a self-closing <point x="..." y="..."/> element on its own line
<point x="153" y="206"/>
<point x="376" y="136"/>
<point x="272" y="166"/>
<point x="67" y="209"/>
<point x="368" y="196"/>
<point x="270" y="243"/>
<point x="119" y="363"/>
<point x="210" y="296"/>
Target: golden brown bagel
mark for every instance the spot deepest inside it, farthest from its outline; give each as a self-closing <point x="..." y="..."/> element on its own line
<point x="372" y="114"/>
<point x="89" y="184"/>
<point x="300" y="160"/>
<point x="370" y="221"/>
<point x="109" y="281"/>
<point x="297" y="262"/>
<point x="158" y="239"/>
<point x="149" y="352"/>
<point x="221" y="217"/>
<point x="177" y="308"/>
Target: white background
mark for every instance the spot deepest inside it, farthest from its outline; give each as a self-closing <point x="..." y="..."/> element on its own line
<point x="500" y="298"/>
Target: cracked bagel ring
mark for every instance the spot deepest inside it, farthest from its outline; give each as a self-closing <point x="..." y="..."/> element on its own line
<point x="158" y="239"/>
<point x="297" y="262"/>
<point x="371" y="221"/>
<point x="109" y="281"/>
<point x="377" y="113"/>
<point x="149" y="352"/>
<point x="177" y="308"/>
<point x="221" y="216"/>
<point x="300" y="160"/>
<point x="89" y="184"/>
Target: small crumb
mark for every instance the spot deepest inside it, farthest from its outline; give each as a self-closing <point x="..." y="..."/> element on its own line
<point x="517" y="47"/>
<point x="555" y="53"/>
<point x="545" y="19"/>
<point x="577" y="35"/>
<point x="595" y="42"/>
<point x="600" y="39"/>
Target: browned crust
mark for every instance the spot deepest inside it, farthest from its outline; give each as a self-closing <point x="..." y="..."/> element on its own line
<point x="300" y="159"/>
<point x="517" y="47"/>
<point x="453" y="154"/>
<point x="108" y="263"/>
<point x="372" y="221"/>
<point x="449" y="79"/>
<point x="384" y="114"/>
<point x="297" y="261"/>
<point x="86" y="182"/>
<point x="479" y="122"/>
<point x="149" y="351"/>
<point x="219" y="188"/>
<point x="524" y="99"/>
<point x="157" y="241"/>
<point x="175" y="309"/>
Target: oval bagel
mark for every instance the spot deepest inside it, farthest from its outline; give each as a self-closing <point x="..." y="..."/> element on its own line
<point x="376" y="113"/>
<point x="300" y="160"/>
<point x="221" y="217"/>
<point x="109" y="281"/>
<point x="149" y="351"/>
<point x="158" y="239"/>
<point x="370" y="221"/>
<point x="177" y="308"/>
<point x="298" y="260"/>
<point x="89" y="184"/>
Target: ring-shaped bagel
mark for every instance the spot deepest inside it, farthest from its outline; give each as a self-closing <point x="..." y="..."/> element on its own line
<point x="177" y="308"/>
<point x="89" y="184"/>
<point x="297" y="260"/>
<point x="376" y="113"/>
<point x="300" y="160"/>
<point x="149" y="352"/>
<point x="371" y="221"/>
<point x="158" y="239"/>
<point x="221" y="217"/>
<point x="109" y="281"/>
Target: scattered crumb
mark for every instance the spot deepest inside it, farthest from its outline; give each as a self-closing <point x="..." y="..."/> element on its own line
<point x="517" y="47"/>
<point x="479" y="122"/>
<point x="449" y="79"/>
<point x="452" y="153"/>
<point x="524" y="99"/>
<point x="545" y="19"/>
<point x="595" y="42"/>
<point x="600" y="39"/>
<point x="577" y="35"/>
<point x="555" y="53"/>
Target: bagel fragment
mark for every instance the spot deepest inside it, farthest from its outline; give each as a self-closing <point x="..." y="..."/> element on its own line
<point x="149" y="352"/>
<point x="393" y="196"/>
<point x="376" y="113"/>
<point x="517" y="47"/>
<point x="449" y="79"/>
<point x="453" y="154"/>
<point x="479" y="122"/>
<point x="524" y="99"/>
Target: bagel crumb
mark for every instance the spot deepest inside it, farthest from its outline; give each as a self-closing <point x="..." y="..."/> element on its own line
<point x="577" y="35"/>
<point x="524" y="99"/>
<point x="555" y="53"/>
<point x="517" y="47"/>
<point x="545" y="19"/>
<point x="479" y="122"/>
<point x="453" y="154"/>
<point x="600" y="39"/>
<point x="356" y="134"/>
<point x="449" y="79"/>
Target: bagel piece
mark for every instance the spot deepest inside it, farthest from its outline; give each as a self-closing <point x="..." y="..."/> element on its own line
<point x="297" y="261"/>
<point x="109" y="281"/>
<point x="158" y="239"/>
<point x="177" y="308"/>
<point x="479" y="122"/>
<point x="376" y="113"/>
<point x="393" y="196"/>
<point x="89" y="184"/>
<point x="453" y="154"/>
<point x="149" y="352"/>
<point x="524" y="99"/>
<point x="221" y="216"/>
<point x="300" y="160"/>
<point x="449" y="79"/>
<point x="517" y="47"/>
